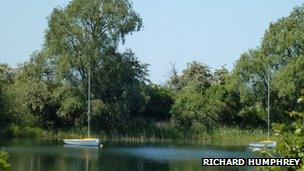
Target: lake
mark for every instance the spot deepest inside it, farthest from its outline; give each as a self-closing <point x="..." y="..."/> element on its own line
<point x="36" y="155"/>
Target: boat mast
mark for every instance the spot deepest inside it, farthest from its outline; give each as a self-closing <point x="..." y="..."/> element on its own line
<point x="268" y="102"/>
<point x="89" y="100"/>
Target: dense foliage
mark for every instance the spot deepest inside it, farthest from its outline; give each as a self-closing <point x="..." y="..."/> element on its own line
<point x="82" y="39"/>
<point x="292" y="136"/>
<point x="4" y="166"/>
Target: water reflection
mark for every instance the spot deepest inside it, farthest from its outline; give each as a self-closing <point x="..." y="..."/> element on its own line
<point x="53" y="156"/>
<point x="83" y="152"/>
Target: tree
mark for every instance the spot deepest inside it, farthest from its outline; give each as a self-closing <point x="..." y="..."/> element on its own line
<point x="196" y="74"/>
<point x="252" y="69"/>
<point x="279" y="55"/>
<point x="84" y="36"/>
<point x="80" y="35"/>
<point x="173" y="81"/>
<point x="159" y="104"/>
<point x="5" y="81"/>
<point x="12" y="109"/>
<point x="284" y="39"/>
<point x="189" y="111"/>
<point x="289" y="81"/>
<point x="119" y="84"/>
<point x="223" y="104"/>
<point x="31" y="91"/>
<point x="220" y="76"/>
<point x="283" y="44"/>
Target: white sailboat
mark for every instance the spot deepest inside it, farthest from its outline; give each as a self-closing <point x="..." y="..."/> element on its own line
<point x="263" y="144"/>
<point x="268" y="143"/>
<point x="82" y="142"/>
<point x="86" y="141"/>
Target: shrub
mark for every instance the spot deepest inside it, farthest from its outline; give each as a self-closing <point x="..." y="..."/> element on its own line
<point x="291" y="142"/>
<point x="4" y="166"/>
<point x="14" y="130"/>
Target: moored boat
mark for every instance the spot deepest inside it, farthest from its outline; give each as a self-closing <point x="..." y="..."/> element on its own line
<point x="82" y="142"/>
<point x="263" y="144"/>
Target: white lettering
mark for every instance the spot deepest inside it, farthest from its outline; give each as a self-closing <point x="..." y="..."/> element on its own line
<point x="206" y="162"/>
<point x="242" y="162"/>
<point x="250" y="162"/>
<point x="297" y="162"/>
<point x="265" y="162"/>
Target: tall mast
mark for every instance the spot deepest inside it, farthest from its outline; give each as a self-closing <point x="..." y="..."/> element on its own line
<point x="268" y="103"/>
<point x="89" y="100"/>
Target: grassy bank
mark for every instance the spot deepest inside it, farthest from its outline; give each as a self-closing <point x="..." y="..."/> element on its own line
<point x="227" y="136"/>
<point x="238" y="136"/>
<point x="147" y="132"/>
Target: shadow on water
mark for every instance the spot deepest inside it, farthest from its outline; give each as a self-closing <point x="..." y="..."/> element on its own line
<point x="33" y="155"/>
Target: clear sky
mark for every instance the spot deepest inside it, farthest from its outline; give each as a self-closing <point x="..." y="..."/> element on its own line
<point x="214" y="32"/>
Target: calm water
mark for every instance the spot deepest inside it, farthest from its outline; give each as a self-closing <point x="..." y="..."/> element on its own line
<point x="32" y="155"/>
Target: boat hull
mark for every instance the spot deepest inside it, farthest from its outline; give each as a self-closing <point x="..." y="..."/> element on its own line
<point x="82" y="142"/>
<point x="267" y="144"/>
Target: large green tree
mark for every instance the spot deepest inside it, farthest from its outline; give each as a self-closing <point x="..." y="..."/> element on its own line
<point x="284" y="39"/>
<point x="283" y="43"/>
<point x="84" y="36"/>
<point x="80" y="35"/>
<point x="280" y="55"/>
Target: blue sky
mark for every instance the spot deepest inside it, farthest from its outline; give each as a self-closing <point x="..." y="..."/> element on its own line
<point x="214" y="32"/>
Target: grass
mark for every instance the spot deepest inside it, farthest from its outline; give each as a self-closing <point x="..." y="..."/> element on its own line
<point x="224" y="135"/>
<point x="148" y="133"/>
<point x="238" y="136"/>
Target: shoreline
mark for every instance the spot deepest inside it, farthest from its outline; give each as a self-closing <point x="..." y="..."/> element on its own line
<point x="222" y="136"/>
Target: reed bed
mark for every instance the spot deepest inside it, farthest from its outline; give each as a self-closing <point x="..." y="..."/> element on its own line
<point x="224" y="135"/>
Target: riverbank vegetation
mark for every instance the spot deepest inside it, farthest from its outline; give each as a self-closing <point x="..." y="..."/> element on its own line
<point x="48" y="93"/>
<point x="4" y="166"/>
<point x="220" y="136"/>
<point x="291" y="136"/>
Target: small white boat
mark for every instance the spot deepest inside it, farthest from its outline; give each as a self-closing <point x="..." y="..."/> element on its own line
<point x="263" y="144"/>
<point x="82" y="142"/>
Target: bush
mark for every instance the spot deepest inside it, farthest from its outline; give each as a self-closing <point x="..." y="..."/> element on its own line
<point x="189" y="110"/>
<point x="159" y="104"/>
<point x="14" y="130"/>
<point x="291" y="144"/>
<point x="4" y="166"/>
